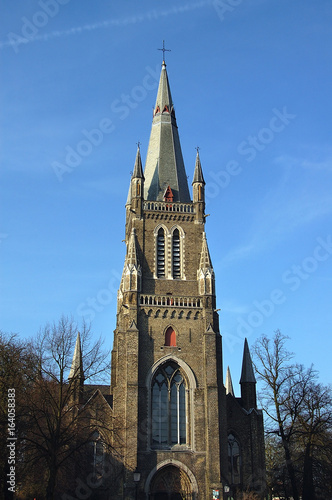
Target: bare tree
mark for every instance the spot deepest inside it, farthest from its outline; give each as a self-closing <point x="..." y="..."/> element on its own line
<point x="315" y="439"/>
<point x="17" y="369"/>
<point x="272" y="364"/>
<point x="58" y="423"/>
<point x="299" y="412"/>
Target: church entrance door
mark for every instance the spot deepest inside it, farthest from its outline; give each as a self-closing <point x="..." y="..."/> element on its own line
<point x="170" y="483"/>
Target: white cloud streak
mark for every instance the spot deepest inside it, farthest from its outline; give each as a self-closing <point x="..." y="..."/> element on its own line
<point x="151" y="15"/>
<point x="295" y="202"/>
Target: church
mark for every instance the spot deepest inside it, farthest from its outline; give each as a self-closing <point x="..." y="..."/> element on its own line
<point x="180" y="431"/>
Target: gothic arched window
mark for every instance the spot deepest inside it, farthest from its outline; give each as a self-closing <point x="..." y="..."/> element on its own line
<point x="97" y="452"/>
<point x="168" y="410"/>
<point x="161" y="253"/>
<point x="170" y="337"/>
<point x="176" y="254"/>
<point x="234" y="459"/>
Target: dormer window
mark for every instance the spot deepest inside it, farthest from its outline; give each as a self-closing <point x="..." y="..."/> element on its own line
<point x="168" y="196"/>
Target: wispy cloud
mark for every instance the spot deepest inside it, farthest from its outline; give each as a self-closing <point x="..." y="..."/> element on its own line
<point x="299" y="199"/>
<point x="151" y="15"/>
<point x="234" y="307"/>
<point x="290" y="161"/>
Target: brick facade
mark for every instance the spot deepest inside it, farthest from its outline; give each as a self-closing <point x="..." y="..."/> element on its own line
<point x="175" y="435"/>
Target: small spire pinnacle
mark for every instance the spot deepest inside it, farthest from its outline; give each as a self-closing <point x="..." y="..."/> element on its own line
<point x="132" y="253"/>
<point x="205" y="262"/>
<point x="247" y="374"/>
<point x="228" y="383"/>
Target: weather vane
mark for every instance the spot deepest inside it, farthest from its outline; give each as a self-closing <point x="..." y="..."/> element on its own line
<point x="164" y="50"/>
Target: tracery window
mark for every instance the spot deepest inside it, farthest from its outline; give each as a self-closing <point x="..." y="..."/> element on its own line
<point x="234" y="459"/>
<point x="161" y="253"/>
<point x="168" y="410"/>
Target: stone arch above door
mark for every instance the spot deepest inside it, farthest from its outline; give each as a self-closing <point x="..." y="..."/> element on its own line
<point x="171" y="480"/>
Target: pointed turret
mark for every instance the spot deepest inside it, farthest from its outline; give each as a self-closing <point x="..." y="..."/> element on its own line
<point x="198" y="173"/>
<point x="199" y="191"/>
<point x="135" y="194"/>
<point x="138" y="170"/>
<point x="164" y="162"/>
<point x="76" y="374"/>
<point x="248" y="381"/>
<point x="229" y="383"/>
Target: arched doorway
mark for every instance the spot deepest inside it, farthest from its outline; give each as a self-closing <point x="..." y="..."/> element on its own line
<point x="170" y="483"/>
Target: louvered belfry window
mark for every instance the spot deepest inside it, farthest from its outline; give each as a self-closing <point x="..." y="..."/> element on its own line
<point x="176" y="255"/>
<point x="161" y="253"/>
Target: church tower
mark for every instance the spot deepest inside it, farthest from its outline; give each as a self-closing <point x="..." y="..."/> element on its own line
<point x="169" y="399"/>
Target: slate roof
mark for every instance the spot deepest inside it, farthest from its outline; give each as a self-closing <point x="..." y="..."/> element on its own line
<point x="164" y="162"/>
<point x="247" y="374"/>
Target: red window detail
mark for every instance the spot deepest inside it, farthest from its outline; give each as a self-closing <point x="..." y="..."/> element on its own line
<point x="170" y="337"/>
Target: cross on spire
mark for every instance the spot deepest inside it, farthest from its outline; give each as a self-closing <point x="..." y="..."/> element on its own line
<point x="164" y="50"/>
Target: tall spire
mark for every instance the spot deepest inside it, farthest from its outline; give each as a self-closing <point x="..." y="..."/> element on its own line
<point x="164" y="162"/>
<point x="76" y="370"/>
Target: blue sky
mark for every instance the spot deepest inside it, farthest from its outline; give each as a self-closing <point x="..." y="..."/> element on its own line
<point x="251" y="82"/>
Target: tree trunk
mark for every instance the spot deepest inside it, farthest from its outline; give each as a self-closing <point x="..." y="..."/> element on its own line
<point x="291" y="471"/>
<point x="308" y="491"/>
<point x="50" y="489"/>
